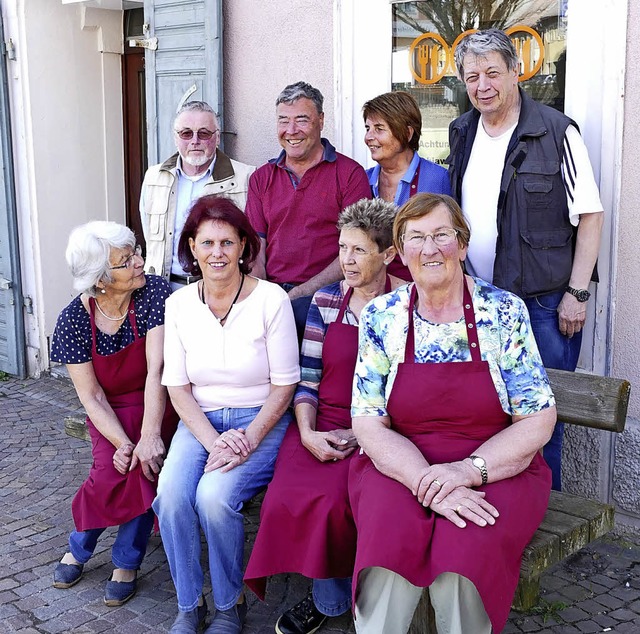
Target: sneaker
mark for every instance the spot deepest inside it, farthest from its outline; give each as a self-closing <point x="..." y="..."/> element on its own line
<point x="228" y="621"/>
<point x="67" y="575"/>
<point x="190" y="622"/>
<point x="303" y="618"/>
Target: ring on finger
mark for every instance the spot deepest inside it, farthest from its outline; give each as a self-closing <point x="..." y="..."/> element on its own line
<point x="459" y="508"/>
<point x="437" y="483"/>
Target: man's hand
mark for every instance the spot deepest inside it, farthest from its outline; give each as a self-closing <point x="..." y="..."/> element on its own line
<point x="571" y="315"/>
<point x="149" y="453"/>
<point x="224" y="459"/>
<point x="122" y="457"/>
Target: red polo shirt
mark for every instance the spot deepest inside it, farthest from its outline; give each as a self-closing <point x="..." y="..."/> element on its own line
<point x="298" y="219"/>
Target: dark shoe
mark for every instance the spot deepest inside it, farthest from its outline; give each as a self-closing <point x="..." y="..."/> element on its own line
<point x="303" y="618"/>
<point x="67" y="575"/>
<point x="190" y="622"/>
<point x="118" y="592"/>
<point x="228" y="621"/>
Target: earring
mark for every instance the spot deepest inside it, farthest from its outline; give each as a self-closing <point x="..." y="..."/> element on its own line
<point x="241" y="261"/>
<point x="195" y="263"/>
<point x="102" y="290"/>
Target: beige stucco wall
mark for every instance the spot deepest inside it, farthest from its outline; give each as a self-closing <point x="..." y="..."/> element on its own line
<point x="68" y="76"/>
<point x="626" y="347"/>
<point x="268" y="45"/>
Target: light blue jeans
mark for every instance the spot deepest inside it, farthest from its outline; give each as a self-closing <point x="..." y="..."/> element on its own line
<point x="189" y="499"/>
<point x="332" y="597"/>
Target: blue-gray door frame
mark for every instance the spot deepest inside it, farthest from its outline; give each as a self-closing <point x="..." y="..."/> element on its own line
<point x="12" y="335"/>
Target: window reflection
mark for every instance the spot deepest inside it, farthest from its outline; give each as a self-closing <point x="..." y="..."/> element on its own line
<point x="426" y="33"/>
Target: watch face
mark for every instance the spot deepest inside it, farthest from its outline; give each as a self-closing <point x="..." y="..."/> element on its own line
<point x="583" y="296"/>
<point x="478" y="462"/>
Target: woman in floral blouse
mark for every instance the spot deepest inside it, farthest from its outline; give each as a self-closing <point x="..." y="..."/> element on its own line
<point x="451" y="406"/>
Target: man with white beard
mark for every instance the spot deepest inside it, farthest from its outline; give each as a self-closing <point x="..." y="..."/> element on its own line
<point x="169" y="189"/>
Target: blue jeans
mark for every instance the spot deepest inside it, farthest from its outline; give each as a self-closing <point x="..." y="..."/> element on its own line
<point x="128" y="549"/>
<point x="332" y="597"/>
<point x="558" y="352"/>
<point x="189" y="499"/>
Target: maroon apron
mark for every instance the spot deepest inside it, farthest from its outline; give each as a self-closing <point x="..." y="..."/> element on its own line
<point x="108" y="498"/>
<point x="306" y="524"/>
<point x="395" y="266"/>
<point x="447" y="410"/>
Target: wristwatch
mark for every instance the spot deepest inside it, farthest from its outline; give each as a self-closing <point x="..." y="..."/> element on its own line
<point x="581" y="294"/>
<point x="480" y="464"/>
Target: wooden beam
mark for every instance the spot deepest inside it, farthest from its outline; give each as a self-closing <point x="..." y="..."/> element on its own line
<point x="599" y="402"/>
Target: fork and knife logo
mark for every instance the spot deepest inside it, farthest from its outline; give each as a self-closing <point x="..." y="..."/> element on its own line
<point x="431" y="58"/>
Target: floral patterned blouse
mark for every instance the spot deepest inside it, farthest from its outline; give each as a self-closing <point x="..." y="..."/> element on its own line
<point x="504" y="334"/>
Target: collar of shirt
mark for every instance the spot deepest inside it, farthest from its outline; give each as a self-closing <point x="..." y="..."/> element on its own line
<point x="407" y="177"/>
<point x="328" y="154"/>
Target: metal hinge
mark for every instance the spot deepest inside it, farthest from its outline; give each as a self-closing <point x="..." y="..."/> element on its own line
<point x="28" y="304"/>
<point x="9" y="50"/>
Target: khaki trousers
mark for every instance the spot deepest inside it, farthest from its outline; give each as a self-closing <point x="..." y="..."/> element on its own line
<point x="385" y="604"/>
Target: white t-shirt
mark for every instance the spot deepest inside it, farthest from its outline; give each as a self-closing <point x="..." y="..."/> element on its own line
<point x="232" y="365"/>
<point x="481" y="189"/>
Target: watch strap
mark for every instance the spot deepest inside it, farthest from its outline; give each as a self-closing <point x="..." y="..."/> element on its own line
<point x="481" y="466"/>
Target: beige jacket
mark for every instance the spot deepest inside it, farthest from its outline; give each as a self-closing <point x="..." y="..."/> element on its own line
<point x="158" y="204"/>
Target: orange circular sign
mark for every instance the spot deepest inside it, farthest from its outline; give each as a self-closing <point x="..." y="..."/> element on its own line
<point x="525" y="50"/>
<point x="429" y="58"/>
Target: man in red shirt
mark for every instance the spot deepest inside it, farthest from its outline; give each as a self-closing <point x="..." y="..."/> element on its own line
<point x="294" y="201"/>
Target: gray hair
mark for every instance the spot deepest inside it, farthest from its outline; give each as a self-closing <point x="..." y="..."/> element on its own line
<point x="488" y="41"/>
<point x="196" y="106"/>
<point x="374" y="217"/>
<point x="88" y="252"/>
<point x="300" y="90"/>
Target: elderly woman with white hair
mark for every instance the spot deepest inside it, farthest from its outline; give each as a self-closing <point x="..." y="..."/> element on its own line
<point x="111" y="338"/>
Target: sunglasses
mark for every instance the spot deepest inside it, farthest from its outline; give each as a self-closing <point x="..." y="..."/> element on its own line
<point x="202" y="134"/>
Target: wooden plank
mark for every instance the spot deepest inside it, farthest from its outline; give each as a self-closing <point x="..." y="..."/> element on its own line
<point x="573" y="532"/>
<point x="598" y="402"/>
<point x="424" y="620"/>
<point x="76" y="427"/>
<point x="600" y="516"/>
<point x="542" y="551"/>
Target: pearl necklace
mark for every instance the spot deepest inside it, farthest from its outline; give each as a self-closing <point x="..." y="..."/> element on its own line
<point x="107" y="316"/>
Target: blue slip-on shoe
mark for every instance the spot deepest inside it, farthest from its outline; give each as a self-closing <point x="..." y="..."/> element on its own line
<point x="190" y="622"/>
<point x="118" y="592"/>
<point x="67" y="575"/>
<point x="228" y="621"/>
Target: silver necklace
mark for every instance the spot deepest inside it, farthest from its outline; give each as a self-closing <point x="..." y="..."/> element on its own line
<point x="107" y="316"/>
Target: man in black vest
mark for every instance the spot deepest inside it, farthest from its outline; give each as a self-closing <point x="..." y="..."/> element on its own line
<point x="522" y="175"/>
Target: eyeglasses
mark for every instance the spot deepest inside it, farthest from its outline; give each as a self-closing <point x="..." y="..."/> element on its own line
<point x="128" y="263"/>
<point x="441" y="238"/>
<point x="203" y="134"/>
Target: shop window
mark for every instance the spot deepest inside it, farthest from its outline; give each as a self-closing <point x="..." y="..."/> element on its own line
<point x="426" y="33"/>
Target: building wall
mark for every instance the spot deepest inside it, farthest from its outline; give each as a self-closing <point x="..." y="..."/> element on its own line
<point x="260" y="60"/>
<point x="624" y="345"/>
<point x="66" y="91"/>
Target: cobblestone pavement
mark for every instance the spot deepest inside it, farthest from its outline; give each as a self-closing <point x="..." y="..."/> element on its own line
<point x="597" y="590"/>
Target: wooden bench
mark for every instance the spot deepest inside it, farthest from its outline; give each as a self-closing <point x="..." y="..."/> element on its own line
<point x="571" y="521"/>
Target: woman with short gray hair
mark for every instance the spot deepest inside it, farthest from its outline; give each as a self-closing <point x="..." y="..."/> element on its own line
<point x="306" y="524"/>
<point x="110" y="337"/>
